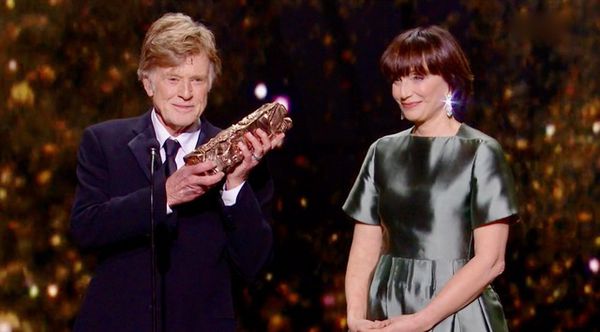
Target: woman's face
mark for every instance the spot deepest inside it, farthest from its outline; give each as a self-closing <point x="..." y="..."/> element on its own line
<point x="421" y="97"/>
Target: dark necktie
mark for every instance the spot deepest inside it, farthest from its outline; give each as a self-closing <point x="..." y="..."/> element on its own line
<point x="171" y="147"/>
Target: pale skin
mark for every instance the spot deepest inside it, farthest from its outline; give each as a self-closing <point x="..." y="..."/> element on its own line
<point x="180" y="95"/>
<point x="364" y="254"/>
<point x="421" y="100"/>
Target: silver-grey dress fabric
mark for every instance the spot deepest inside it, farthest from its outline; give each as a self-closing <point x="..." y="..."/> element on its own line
<point x="429" y="194"/>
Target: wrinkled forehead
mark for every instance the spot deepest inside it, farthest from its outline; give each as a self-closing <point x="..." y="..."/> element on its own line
<point x="198" y="62"/>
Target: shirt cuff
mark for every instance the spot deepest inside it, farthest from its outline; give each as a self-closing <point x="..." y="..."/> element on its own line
<point x="230" y="196"/>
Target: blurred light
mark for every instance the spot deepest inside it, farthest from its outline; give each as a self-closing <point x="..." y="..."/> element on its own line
<point x="283" y="100"/>
<point x="10" y="4"/>
<point x="34" y="291"/>
<point x="52" y="290"/>
<point x="276" y="322"/>
<point x="568" y="262"/>
<point x="558" y="149"/>
<point x="260" y="91"/>
<point x="55" y="240"/>
<point x="283" y="288"/>
<point x="13" y="65"/>
<point x="269" y="276"/>
<point x="594" y="265"/>
<point x="301" y="161"/>
<point x="517" y="303"/>
<point x="44" y="177"/>
<point x="596" y="127"/>
<point x="5" y="327"/>
<point x="550" y="130"/>
<point x="303" y="202"/>
<point x="328" y="300"/>
<point x="556" y="293"/>
<point x="529" y="281"/>
<point x="47" y="74"/>
<point x="522" y="143"/>
<point x="6" y="175"/>
<point x="293" y="298"/>
<point x="22" y="94"/>
<point x="328" y="39"/>
<point x="585" y="216"/>
<point x="19" y="181"/>
<point x="508" y="93"/>
<point x="557" y="192"/>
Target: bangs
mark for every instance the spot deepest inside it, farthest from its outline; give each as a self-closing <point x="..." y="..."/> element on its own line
<point x="410" y="53"/>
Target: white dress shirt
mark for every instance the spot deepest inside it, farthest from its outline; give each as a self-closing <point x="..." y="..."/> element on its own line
<point x="188" y="141"/>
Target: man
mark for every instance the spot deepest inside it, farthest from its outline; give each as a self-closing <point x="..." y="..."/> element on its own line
<point x="208" y="226"/>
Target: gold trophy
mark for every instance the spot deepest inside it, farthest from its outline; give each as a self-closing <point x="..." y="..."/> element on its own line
<point x="223" y="149"/>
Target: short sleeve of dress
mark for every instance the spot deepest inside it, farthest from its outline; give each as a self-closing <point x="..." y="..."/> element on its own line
<point x="362" y="202"/>
<point x="493" y="194"/>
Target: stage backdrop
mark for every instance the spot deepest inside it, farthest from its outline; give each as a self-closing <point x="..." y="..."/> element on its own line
<point x="68" y="64"/>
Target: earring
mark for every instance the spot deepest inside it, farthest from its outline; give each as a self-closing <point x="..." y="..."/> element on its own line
<point x="401" y="115"/>
<point x="448" y="104"/>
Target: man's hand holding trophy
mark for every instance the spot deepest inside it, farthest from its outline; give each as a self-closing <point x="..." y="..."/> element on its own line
<point x="224" y="149"/>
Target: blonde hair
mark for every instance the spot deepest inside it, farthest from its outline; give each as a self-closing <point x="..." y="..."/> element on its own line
<point x="171" y="39"/>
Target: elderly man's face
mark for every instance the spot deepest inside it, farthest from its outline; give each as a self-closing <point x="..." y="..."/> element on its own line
<point x="179" y="93"/>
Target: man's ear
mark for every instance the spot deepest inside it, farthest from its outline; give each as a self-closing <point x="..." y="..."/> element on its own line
<point x="148" y="85"/>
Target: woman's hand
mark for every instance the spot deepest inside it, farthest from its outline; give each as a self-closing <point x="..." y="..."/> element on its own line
<point x="359" y="325"/>
<point x="404" y="323"/>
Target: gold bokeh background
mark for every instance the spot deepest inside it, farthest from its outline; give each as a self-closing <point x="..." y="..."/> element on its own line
<point x="67" y="64"/>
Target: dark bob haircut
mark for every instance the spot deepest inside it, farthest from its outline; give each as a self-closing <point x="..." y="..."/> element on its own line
<point x="429" y="50"/>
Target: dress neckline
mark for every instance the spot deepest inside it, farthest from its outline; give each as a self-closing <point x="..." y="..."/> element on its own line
<point x="457" y="134"/>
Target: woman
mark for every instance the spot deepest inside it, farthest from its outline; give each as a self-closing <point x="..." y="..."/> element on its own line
<point x="432" y="203"/>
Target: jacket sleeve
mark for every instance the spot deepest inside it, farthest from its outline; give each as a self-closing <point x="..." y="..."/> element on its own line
<point x="247" y="225"/>
<point x="100" y="219"/>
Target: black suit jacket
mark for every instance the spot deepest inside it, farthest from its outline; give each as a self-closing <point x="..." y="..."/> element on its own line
<point x="199" y="244"/>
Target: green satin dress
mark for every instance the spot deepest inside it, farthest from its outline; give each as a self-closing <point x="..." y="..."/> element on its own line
<point x="428" y="194"/>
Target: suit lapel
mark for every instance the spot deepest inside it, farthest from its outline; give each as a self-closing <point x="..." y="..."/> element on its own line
<point x="207" y="131"/>
<point x="143" y="140"/>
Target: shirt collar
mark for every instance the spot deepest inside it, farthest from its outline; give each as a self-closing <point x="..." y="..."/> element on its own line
<point x="187" y="139"/>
